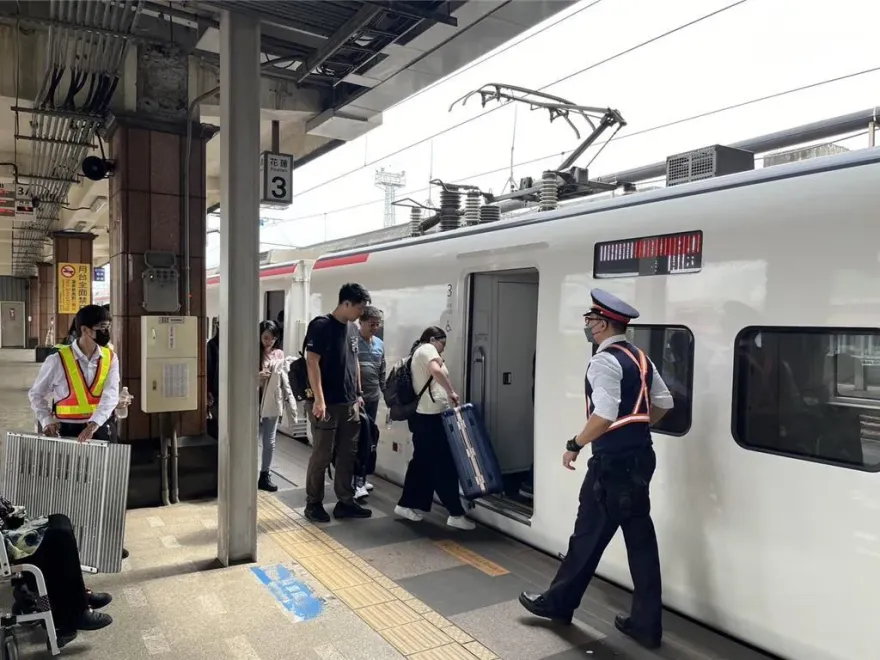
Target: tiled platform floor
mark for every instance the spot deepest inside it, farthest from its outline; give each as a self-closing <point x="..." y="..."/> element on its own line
<point x="358" y="590"/>
<point x="472" y="579"/>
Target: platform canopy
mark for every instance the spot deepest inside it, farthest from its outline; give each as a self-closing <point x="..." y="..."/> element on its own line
<point x="330" y="69"/>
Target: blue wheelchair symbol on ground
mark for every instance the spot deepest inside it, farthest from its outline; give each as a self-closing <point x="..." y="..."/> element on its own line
<point x="294" y="595"/>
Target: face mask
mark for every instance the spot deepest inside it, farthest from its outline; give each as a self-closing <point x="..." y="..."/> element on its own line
<point x="588" y="333"/>
<point x="102" y="337"/>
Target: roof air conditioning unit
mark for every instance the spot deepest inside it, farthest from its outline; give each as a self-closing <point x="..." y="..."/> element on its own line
<point x="707" y="163"/>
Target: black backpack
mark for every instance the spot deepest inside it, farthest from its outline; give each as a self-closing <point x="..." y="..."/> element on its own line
<point x="400" y="394"/>
<point x="298" y="375"/>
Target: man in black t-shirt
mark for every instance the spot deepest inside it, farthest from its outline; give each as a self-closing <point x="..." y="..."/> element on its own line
<point x="334" y="376"/>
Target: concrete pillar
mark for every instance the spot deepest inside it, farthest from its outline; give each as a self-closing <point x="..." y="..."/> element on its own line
<point x="147" y="214"/>
<point x="73" y="284"/>
<point x="46" y="311"/>
<point x="239" y="285"/>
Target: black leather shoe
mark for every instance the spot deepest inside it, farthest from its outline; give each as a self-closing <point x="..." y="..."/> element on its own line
<point x="124" y="553"/>
<point x="92" y="620"/>
<point x="538" y="605"/>
<point x="64" y="637"/>
<point x="97" y="599"/>
<point x="316" y="513"/>
<point x="648" y="640"/>
<point x="265" y="483"/>
<point x="353" y="510"/>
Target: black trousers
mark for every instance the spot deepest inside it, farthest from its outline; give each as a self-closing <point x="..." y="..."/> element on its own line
<point x="432" y="468"/>
<point x="107" y="432"/>
<point x="58" y="558"/>
<point x="599" y="515"/>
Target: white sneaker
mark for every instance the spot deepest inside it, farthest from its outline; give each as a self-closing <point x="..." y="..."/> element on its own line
<point x="409" y="514"/>
<point x="368" y="485"/>
<point x="460" y="522"/>
<point x="360" y="492"/>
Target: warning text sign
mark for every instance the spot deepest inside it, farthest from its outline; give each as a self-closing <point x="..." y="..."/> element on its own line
<point x="74" y="287"/>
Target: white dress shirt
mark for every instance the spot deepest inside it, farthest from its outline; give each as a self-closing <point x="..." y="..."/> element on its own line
<point x="605" y="373"/>
<point x="52" y="382"/>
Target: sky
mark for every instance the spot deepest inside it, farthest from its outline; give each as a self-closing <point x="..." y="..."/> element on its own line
<point x="755" y="49"/>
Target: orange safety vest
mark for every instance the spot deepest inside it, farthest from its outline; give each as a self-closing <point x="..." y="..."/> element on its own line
<point x="82" y="400"/>
<point x="642" y="410"/>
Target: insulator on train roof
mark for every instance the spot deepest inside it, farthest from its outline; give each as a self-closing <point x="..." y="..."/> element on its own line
<point x="490" y="213"/>
<point x="415" y="221"/>
<point x="549" y="191"/>
<point x="450" y="201"/>
<point x="472" y="208"/>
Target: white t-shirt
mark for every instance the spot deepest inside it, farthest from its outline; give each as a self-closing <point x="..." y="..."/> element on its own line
<point x="421" y="362"/>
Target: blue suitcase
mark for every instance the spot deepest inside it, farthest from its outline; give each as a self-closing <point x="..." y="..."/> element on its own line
<point x="478" y="471"/>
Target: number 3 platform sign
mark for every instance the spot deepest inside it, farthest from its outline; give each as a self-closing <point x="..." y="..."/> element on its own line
<point x="276" y="179"/>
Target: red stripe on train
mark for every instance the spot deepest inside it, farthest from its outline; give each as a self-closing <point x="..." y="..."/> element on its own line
<point x="274" y="271"/>
<point x="291" y="268"/>
<point x="349" y="260"/>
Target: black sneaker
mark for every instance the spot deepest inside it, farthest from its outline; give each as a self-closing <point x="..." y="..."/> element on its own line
<point x="316" y="513"/>
<point x="353" y="510"/>
<point x="265" y="483"/>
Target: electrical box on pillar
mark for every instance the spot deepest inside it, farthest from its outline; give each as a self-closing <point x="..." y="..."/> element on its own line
<point x="161" y="289"/>
<point x="169" y="363"/>
<point x="276" y="180"/>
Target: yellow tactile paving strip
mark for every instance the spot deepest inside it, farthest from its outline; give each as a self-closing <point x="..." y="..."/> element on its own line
<point x="412" y="627"/>
<point x="469" y="557"/>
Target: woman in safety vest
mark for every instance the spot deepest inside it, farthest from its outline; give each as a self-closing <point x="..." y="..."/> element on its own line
<point x="82" y="379"/>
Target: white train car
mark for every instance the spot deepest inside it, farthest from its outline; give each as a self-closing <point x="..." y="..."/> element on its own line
<point x="759" y="295"/>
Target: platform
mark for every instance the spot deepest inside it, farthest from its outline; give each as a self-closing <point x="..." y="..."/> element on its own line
<point x="372" y="589"/>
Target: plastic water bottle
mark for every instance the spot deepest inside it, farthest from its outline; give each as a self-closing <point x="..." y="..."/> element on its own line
<point x="124" y="402"/>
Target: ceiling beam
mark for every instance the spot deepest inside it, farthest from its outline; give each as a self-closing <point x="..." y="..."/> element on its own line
<point x="411" y="10"/>
<point x="346" y="31"/>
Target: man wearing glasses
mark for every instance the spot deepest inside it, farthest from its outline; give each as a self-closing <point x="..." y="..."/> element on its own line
<point x="371" y="355"/>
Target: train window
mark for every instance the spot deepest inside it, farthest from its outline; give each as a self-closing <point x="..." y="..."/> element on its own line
<point x="671" y="349"/>
<point x="809" y="393"/>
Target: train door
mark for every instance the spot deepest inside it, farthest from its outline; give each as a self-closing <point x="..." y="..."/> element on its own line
<point x="500" y="380"/>
<point x="274" y="305"/>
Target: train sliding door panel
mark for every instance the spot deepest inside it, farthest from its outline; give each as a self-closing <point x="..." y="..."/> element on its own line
<point x="503" y="333"/>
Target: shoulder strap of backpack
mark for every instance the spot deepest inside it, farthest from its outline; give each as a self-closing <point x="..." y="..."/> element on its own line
<point x="425" y="388"/>
<point x="427" y="384"/>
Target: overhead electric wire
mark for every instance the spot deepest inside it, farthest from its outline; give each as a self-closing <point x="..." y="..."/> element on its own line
<point x="611" y="58"/>
<point x="650" y="129"/>
<point x="506" y="48"/>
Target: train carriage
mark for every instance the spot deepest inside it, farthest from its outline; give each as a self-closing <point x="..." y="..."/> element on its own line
<point x="759" y="305"/>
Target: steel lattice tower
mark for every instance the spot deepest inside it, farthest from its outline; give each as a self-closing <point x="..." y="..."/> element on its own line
<point x="390" y="182"/>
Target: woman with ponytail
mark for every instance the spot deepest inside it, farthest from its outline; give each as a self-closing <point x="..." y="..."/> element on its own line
<point x="432" y="468"/>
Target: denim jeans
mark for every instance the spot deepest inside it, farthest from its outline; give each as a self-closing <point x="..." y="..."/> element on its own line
<point x="268" y="430"/>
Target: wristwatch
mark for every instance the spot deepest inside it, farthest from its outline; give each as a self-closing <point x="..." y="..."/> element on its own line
<point x="572" y="445"/>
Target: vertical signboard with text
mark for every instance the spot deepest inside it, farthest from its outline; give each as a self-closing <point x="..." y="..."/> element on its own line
<point x="74" y="287"/>
<point x="276" y="179"/>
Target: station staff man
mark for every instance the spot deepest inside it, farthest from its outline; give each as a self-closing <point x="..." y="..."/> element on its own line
<point x="83" y="380"/>
<point x="625" y="395"/>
